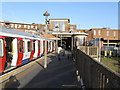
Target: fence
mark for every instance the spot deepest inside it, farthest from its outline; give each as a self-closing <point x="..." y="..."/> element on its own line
<point x="93" y="73"/>
<point x="115" y="50"/>
<point x="90" y="50"/>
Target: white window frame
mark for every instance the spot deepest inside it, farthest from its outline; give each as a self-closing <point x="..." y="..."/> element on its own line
<point x="99" y="32"/>
<point x="2" y="48"/>
<point x="16" y="26"/>
<point x="32" y="26"/>
<point x="19" y="25"/>
<point x="25" y="26"/>
<point x="63" y="27"/>
<point x="107" y="33"/>
<point x="28" y="26"/>
<point x="114" y="33"/>
<point x="71" y="28"/>
<point x="2" y="24"/>
<point x="94" y="32"/>
<point x="36" y="27"/>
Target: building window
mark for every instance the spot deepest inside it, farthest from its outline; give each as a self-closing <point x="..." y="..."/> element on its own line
<point x="71" y="28"/>
<point x="19" y="26"/>
<point x="15" y="25"/>
<point x="107" y="33"/>
<point x="32" y="26"/>
<point x="99" y="32"/>
<point x="36" y="27"/>
<point x="12" y="25"/>
<point x="25" y="26"/>
<point x="28" y="26"/>
<point x="58" y="26"/>
<point x="114" y="34"/>
<point x="94" y="32"/>
<point x="2" y="24"/>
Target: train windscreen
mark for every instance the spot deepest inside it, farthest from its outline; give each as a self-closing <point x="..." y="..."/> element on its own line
<point x="1" y="48"/>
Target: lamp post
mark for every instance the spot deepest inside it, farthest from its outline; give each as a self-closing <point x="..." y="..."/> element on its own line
<point x="57" y="27"/>
<point x="46" y="14"/>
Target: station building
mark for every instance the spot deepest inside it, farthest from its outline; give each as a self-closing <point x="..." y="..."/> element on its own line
<point x="60" y="28"/>
<point x="103" y="37"/>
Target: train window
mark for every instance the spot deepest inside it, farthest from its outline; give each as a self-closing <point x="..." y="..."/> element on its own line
<point x="33" y="46"/>
<point x="1" y="48"/>
<point x="47" y="45"/>
<point x="39" y="45"/>
<point x="21" y="46"/>
<point x="44" y="44"/>
<point x="29" y="48"/>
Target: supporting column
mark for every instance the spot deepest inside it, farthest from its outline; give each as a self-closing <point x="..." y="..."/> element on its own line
<point x="61" y="40"/>
<point x="99" y="49"/>
<point x="72" y="43"/>
<point x="57" y="44"/>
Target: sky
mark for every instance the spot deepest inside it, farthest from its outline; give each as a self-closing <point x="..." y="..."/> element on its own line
<point x="85" y="15"/>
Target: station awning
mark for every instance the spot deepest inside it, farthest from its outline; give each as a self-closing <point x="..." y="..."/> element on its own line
<point x="49" y="36"/>
<point x="67" y="34"/>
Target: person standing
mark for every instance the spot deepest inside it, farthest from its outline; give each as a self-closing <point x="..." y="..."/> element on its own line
<point x="59" y="53"/>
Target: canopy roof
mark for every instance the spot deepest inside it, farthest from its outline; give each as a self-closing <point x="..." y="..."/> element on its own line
<point x="50" y="36"/>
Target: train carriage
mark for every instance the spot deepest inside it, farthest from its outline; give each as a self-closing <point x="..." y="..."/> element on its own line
<point x="18" y="48"/>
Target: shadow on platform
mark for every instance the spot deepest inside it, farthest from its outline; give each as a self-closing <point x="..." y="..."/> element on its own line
<point x="58" y="74"/>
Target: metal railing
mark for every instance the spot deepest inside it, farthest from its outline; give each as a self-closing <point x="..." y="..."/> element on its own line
<point x="90" y="50"/>
<point x="93" y="73"/>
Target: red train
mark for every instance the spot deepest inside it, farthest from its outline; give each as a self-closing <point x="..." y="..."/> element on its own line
<point x="18" y="48"/>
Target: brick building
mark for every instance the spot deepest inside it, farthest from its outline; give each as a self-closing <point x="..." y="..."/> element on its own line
<point x="108" y="37"/>
<point x="54" y="25"/>
<point x="29" y="28"/>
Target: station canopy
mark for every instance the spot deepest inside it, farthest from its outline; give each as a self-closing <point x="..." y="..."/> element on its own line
<point x="49" y="36"/>
<point x="69" y="34"/>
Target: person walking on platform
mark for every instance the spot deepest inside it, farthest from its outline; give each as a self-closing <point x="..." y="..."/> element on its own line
<point x="59" y="53"/>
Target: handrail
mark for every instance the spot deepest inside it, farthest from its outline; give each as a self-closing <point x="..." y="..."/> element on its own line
<point x="95" y="74"/>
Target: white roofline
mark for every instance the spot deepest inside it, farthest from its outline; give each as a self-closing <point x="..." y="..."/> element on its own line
<point x="72" y="33"/>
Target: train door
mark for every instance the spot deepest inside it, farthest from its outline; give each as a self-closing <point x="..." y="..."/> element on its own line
<point x="38" y="48"/>
<point x="41" y="47"/>
<point x="51" y="46"/>
<point x="20" y="51"/>
<point x="2" y="53"/>
<point x="32" y="45"/>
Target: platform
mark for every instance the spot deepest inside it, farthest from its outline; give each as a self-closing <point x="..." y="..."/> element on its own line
<point x="58" y="74"/>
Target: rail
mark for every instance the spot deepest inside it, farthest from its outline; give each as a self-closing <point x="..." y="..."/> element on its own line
<point x="95" y="74"/>
<point x="90" y="50"/>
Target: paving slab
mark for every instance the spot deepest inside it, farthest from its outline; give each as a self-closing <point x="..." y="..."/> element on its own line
<point x="58" y="74"/>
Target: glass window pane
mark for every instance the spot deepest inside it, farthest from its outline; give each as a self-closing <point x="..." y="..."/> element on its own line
<point x="21" y="46"/>
<point x="38" y="44"/>
<point x="29" y="49"/>
<point x="1" y="48"/>
<point x="33" y="46"/>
